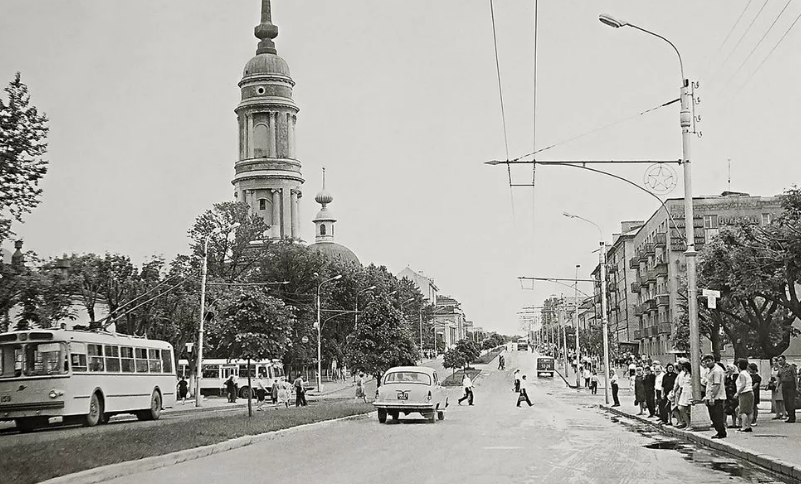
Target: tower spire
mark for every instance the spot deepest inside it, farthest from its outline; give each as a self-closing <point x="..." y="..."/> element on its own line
<point x="266" y="31"/>
<point x="323" y="178"/>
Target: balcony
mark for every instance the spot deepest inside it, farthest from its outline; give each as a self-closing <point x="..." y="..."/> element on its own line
<point x="652" y="306"/>
<point x="638" y="310"/>
<point x="664" y="328"/>
<point x="637" y="334"/>
<point x="649" y="249"/>
<point x="650" y="275"/>
<point x="642" y="256"/>
<point x="635" y="287"/>
<point x="663" y="300"/>
<point x="634" y="263"/>
<point x="660" y="240"/>
<point x="661" y="270"/>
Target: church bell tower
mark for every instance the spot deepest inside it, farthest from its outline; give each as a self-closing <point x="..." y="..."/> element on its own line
<point x="268" y="174"/>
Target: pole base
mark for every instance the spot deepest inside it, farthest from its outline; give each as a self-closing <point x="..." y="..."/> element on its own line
<point x="699" y="417"/>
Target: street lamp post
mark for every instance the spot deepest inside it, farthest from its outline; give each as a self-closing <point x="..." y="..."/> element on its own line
<point x="604" y="319"/>
<point x="576" y="325"/>
<point x="698" y="419"/>
<point x="320" y="334"/>
<point x="199" y="372"/>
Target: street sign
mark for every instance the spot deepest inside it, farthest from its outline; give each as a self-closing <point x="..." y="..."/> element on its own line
<point x="304" y="340"/>
<point x="711" y="298"/>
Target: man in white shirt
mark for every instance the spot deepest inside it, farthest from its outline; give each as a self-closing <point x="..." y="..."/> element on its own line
<point x="523" y="392"/>
<point x="467" y="385"/>
<point x="715" y="396"/>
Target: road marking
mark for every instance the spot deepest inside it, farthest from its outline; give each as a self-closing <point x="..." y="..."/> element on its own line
<point x="502" y="448"/>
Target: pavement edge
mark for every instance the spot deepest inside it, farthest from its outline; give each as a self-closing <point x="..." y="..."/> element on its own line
<point x="772" y="464"/>
<point x="121" y="469"/>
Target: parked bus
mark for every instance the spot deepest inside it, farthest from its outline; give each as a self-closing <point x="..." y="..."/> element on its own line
<point x="82" y="376"/>
<point x="217" y="370"/>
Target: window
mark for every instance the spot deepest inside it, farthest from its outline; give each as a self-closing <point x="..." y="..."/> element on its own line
<point x="127" y="355"/>
<point x="141" y="360"/>
<point x="95" y="357"/>
<point x="112" y="358"/>
<point x="10" y="361"/>
<point x="211" y="371"/>
<point x="78" y="356"/>
<point x="262" y="204"/>
<point x="154" y="360"/>
<point x="44" y="359"/>
<point x="260" y="135"/>
<point x="322" y="229"/>
<point x="767" y="218"/>
<point x="710" y="221"/>
<point x="408" y="377"/>
<point x="166" y="361"/>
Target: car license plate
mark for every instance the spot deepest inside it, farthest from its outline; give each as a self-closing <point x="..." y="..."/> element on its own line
<point x="403" y="395"/>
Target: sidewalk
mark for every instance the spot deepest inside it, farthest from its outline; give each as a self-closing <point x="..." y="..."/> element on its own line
<point x="772" y="444"/>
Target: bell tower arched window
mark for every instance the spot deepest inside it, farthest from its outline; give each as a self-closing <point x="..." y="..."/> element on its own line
<point x="322" y="229"/>
<point x="260" y="140"/>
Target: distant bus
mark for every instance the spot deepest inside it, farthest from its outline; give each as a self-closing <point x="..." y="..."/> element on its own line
<point x="217" y="370"/>
<point x="522" y="344"/>
<point x="82" y="376"/>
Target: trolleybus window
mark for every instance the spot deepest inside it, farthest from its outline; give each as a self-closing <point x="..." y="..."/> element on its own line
<point x="78" y="356"/>
<point x="141" y="360"/>
<point x="166" y="361"/>
<point x="154" y="358"/>
<point x="44" y="359"/>
<point x="95" y="357"/>
<point x="211" y="371"/>
<point x="10" y="361"/>
<point x="127" y="355"/>
<point x="112" y="358"/>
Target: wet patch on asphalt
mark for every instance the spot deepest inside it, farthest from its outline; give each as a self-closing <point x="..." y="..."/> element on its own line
<point x="703" y="457"/>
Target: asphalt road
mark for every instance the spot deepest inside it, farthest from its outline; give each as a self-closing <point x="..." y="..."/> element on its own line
<point x="564" y="437"/>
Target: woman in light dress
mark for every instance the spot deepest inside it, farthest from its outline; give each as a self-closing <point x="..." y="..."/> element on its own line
<point x="684" y="391"/>
<point x="283" y="393"/>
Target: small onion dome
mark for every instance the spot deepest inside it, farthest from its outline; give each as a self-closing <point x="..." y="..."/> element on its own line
<point x="323" y="197"/>
<point x="334" y="251"/>
<point x="324" y="215"/>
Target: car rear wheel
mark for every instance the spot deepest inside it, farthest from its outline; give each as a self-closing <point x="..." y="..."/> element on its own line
<point x="441" y="415"/>
<point x="382" y="415"/>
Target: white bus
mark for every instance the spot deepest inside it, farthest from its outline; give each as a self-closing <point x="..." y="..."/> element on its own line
<point x="82" y="376"/>
<point x="217" y="370"/>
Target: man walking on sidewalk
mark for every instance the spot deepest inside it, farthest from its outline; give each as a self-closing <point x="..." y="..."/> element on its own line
<point x="715" y="396"/>
<point x="467" y="385"/>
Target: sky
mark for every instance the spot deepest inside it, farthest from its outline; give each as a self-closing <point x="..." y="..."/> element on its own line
<point x="399" y="101"/>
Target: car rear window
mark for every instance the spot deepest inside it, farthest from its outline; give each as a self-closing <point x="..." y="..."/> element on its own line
<point x="408" y="377"/>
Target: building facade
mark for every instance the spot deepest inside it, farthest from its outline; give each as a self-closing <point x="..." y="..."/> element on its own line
<point x="267" y="172"/>
<point x="655" y="261"/>
<point x="423" y="283"/>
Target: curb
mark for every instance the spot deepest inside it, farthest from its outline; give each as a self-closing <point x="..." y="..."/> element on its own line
<point x="772" y="464"/>
<point x="121" y="469"/>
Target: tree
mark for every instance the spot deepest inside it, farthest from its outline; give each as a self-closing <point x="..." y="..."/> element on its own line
<point x="469" y="350"/>
<point x="454" y="359"/>
<point x="253" y="326"/>
<point x="381" y="341"/>
<point x="23" y="143"/>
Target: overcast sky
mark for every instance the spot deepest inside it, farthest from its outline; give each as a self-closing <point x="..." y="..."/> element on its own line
<point x="399" y="101"/>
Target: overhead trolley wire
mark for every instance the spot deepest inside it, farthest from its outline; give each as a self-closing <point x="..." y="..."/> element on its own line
<point x="744" y="34"/>
<point x="736" y="23"/>
<point x="503" y="111"/>
<point x="769" y="53"/>
<point x="757" y="44"/>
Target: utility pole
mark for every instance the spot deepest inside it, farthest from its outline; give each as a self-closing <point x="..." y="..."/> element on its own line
<point x="576" y="325"/>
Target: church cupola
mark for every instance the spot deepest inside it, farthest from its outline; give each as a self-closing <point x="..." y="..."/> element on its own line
<point x="324" y="221"/>
<point x="268" y="177"/>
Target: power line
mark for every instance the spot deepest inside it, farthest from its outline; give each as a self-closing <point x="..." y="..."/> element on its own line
<point x="712" y="60"/>
<point x="744" y="34"/>
<point x="769" y="53"/>
<point x="596" y="129"/>
<point x="757" y="44"/>
<point x="503" y="111"/>
<point x="534" y="120"/>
